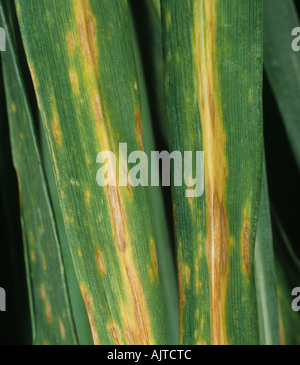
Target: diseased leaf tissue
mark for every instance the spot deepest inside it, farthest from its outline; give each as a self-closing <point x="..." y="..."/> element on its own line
<point x="136" y="132"/>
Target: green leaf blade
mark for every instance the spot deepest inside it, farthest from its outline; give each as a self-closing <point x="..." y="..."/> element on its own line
<point x="89" y="102"/>
<point x="214" y="103"/>
<point x="52" y="320"/>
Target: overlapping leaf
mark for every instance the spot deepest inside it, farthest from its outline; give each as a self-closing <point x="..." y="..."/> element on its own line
<point x="213" y="84"/>
<point x="52" y="320"/>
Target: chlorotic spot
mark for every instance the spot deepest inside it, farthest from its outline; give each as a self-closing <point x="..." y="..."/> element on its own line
<point x="88" y="301"/>
<point x="153" y="254"/>
<point x="74" y="80"/>
<point x="44" y="262"/>
<point x="43" y="291"/>
<point x="32" y="256"/>
<point x="150" y="272"/>
<point x="100" y="261"/>
<point x="70" y="42"/>
<point x="48" y="311"/>
<point x="113" y="329"/>
<point x="62" y="330"/>
<point x="138" y="128"/>
<point x="87" y="197"/>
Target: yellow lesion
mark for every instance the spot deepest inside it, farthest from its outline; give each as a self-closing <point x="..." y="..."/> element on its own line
<point x="114" y="331"/>
<point x="187" y="273"/>
<point x="169" y="18"/>
<point x="197" y="265"/>
<point x="245" y="239"/>
<point x="214" y="137"/>
<point x="70" y="41"/>
<point x="62" y="330"/>
<point x="74" y="80"/>
<point x="87" y="30"/>
<point x="31" y="237"/>
<point x="97" y="107"/>
<point x="103" y="138"/>
<point x="134" y="309"/>
<point x="87" y="35"/>
<point x="153" y="255"/>
<point x="118" y="222"/>
<point x="56" y="129"/>
<point x="190" y="198"/>
<point x="43" y="291"/>
<point x="33" y="75"/>
<point x="250" y="96"/>
<point x="32" y="256"/>
<point x="150" y="272"/>
<point x="100" y="261"/>
<point x="66" y="218"/>
<point x="44" y="262"/>
<point x="88" y="301"/>
<point x="48" y="310"/>
<point x="138" y="128"/>
<point x="246" y="247"/>
<point x="87" y="197"/>
<point x="55" y="123"/>
<point x="197" y="284"/>
<point x="200" y="251"/>
<point x="13" y="107"/>
<point x="281" y="325"/>
<point x="88" y="160"/>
